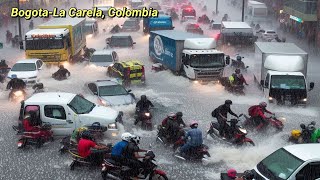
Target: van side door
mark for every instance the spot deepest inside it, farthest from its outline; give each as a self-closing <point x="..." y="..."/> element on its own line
<point x="58" y="116"/>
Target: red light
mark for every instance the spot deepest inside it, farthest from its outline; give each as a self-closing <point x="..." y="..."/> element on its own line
<point x="197" y="25"/>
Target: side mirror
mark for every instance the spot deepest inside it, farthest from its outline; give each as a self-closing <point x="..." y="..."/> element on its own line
<point x="311" y="86"/>
<point x="129" y="90"/>
<point x="227" y="61"/>
<point x="262" y="83"/>
<point x="134" y="43"/>
<point x="95" y="93"/>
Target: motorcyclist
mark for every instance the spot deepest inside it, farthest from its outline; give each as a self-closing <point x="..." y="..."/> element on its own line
<point x="30" y="124"/>
<point x="142" y="105"/>
<point x="195" y="140"/>
<point x="76" y="135"/>
<point x="61" y="73"/>
<point x="126" y="151"/>
<point x="239" y="62"/>
<point x="237" y="78"/>
<point x="257" y="114"/>
<point x="15" y="83"/>
<point x="179" y="119"/>
<point x="171" y="127"/>
<point x="3" y="64"/>
<point x="221" y="113"/>
<point x="86" y="142"/>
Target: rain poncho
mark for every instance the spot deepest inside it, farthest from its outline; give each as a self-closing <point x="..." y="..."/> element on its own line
<point x="315" y="136"/>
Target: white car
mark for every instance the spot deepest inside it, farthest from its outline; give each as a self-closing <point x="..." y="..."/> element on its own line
<point x="27" y="70"/>
<point x="104" y="58"/>
<point x="269" y="35"/>
<point x="293" y="162"/>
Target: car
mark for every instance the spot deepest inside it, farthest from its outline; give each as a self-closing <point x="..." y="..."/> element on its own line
<point x="194" y="28"/>
<point x="130" y="25"/>
<point x="67" y="112"/>
<point x="27" y="70"/>
<point x="129" y="72"/>
<point x="155" y="5"/>
<point x="120" y="41"/>
<point x="215" y="26"/>
<point x="104" y="58"/>
<point x="111" y="93"/>
<point x="269" y="35"/>
<point x="293" y="162"/>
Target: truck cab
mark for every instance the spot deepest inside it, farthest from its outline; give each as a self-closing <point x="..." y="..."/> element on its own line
<point x="293" y="162"/>
<point x="237" y="33"/>
<point x="66" y="112"/>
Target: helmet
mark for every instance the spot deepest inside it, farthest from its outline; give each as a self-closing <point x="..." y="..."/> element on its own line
<point x="194" y="123"/>
<point x="238" y="58"/>
<point x="136" y="139"/>
<point x="248" y="175"/>
<point x="263" y="104"/>
<point x="27" y="115"/>
<point x="14" y="76"/>
<point x="81" y="129"/>
<point x="143" y="98"/>
<point x="228" y="102"/>
<point x="61" y="66"/>
<point x="237" y="71"/>
<point x="311" y="127"/>
<point x="232" y="173"/>
<point x="295" y="133"/>
<point x="227" y="57"/>
<point x="126" y="136"/>
<point x="171" y="115"/>
<point x="179" y="114"/>
<point x="86" y="135"/>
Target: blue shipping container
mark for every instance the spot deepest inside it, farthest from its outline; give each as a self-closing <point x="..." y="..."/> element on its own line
<point x="157" y="23"/>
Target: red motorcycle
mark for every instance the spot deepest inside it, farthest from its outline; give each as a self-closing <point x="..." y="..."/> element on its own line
<point x="114" y="170"/>
<point x="273" y="121"/>
<point x="237" y="134"/>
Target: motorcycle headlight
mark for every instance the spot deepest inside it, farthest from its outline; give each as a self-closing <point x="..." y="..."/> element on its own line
<point x="244" y="131"/>
<point x="18" y="93"/>
<point x="305" y="100"/>
<point x="112" y="126"/>
<point x="270" y="98"/>
<point x="103" y="102"/>
<point x="147" y="114"/>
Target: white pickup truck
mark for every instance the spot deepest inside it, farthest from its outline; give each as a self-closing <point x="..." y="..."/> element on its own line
<point x="293" y="162"/>
<point x="66" y="112"/>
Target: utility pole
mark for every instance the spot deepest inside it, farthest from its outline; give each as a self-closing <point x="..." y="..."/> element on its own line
<point x="19" y="27"/>
<point x="217" y="2"/>
<point x="93" y="3"/>
<point x="242" y="10"/>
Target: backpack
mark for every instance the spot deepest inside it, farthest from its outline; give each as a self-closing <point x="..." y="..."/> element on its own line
<point x="214" y="113"/>
<point x="252" y="109"/>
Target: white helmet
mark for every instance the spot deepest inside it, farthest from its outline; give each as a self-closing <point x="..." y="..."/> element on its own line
<point x="136" y="139"/>
<point x="126" y="136"/>
<point x="171" y="115"/>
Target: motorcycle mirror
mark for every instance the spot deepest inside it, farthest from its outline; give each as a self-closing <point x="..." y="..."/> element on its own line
<point x="313" y="123"/>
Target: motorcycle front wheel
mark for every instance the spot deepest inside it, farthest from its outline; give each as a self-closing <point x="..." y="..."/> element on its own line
<point x="158" y="177"/>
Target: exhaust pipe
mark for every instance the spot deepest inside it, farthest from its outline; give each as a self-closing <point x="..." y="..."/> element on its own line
<point x="113" y="177"/>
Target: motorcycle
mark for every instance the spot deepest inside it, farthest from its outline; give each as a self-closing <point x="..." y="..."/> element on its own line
<point x="308" y="134"/>
<point x="114" y="170"/>
<point x="273" y="121"/>
<point x="38" y="88"/>
<point x="236" y="89"/>
<point x="145" y="118"/>
<point x="165" y="140"/>
<point x="17" y="95"/>
<point x="34" y="138"/>
<point x="77" y="160"/>
<point x="58" y="77"/>
<point x="195" y="154"/>
<point x="236" y="137"/>
<point x="204" y="20"/>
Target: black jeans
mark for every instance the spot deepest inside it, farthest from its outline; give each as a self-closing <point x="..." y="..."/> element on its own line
<point x="97" y="156"/>
<point x="133" y="164"/>
<point x="222" y="126"/>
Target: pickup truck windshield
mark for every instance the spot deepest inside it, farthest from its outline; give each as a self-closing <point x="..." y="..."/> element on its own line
<point x="206" y="60"/>
<point x="40" y="44"/>
<point x="279" y="165"/>
<point x="80" y="105"/>
<point x="121" y="42"/>
<point x="287" y="82"/>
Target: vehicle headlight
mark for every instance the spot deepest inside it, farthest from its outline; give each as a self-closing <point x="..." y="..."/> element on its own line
<point x="270" y="98"/>
<point x="305" y="100"/>
<point x="103" y="102"/>
<point x="18" y="93"/>
<point x="147" y="114"/>
<point x="196" y="82"/>
<point x="112" y="126"/>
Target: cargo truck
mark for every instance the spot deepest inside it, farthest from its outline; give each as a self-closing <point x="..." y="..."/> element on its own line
<point x="237" y="33"/>
<point x="187" y="54"/>
<point x="281" y="70"/>
<point x="162" y="22"/>
<point x="58" y="40"/>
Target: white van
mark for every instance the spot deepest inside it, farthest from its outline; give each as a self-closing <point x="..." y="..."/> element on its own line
<point x="67" y="111"/>
<point x="294" y="162"/>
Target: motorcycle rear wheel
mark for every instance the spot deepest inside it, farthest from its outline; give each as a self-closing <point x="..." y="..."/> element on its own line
<point x="158" y="177"/>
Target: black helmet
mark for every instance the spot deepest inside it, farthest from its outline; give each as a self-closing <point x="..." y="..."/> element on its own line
<point x="179" y="114"/>
<point x="228" y="57"/>
<point x="61" y="66"/>
<point x="248" y="175"/>
<point x="237" y="71"/>
<point x="228" y="102"/>
<point x="239" y="58"/>
<point x="143" y="98"/>
<point x="86" y="135"/>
